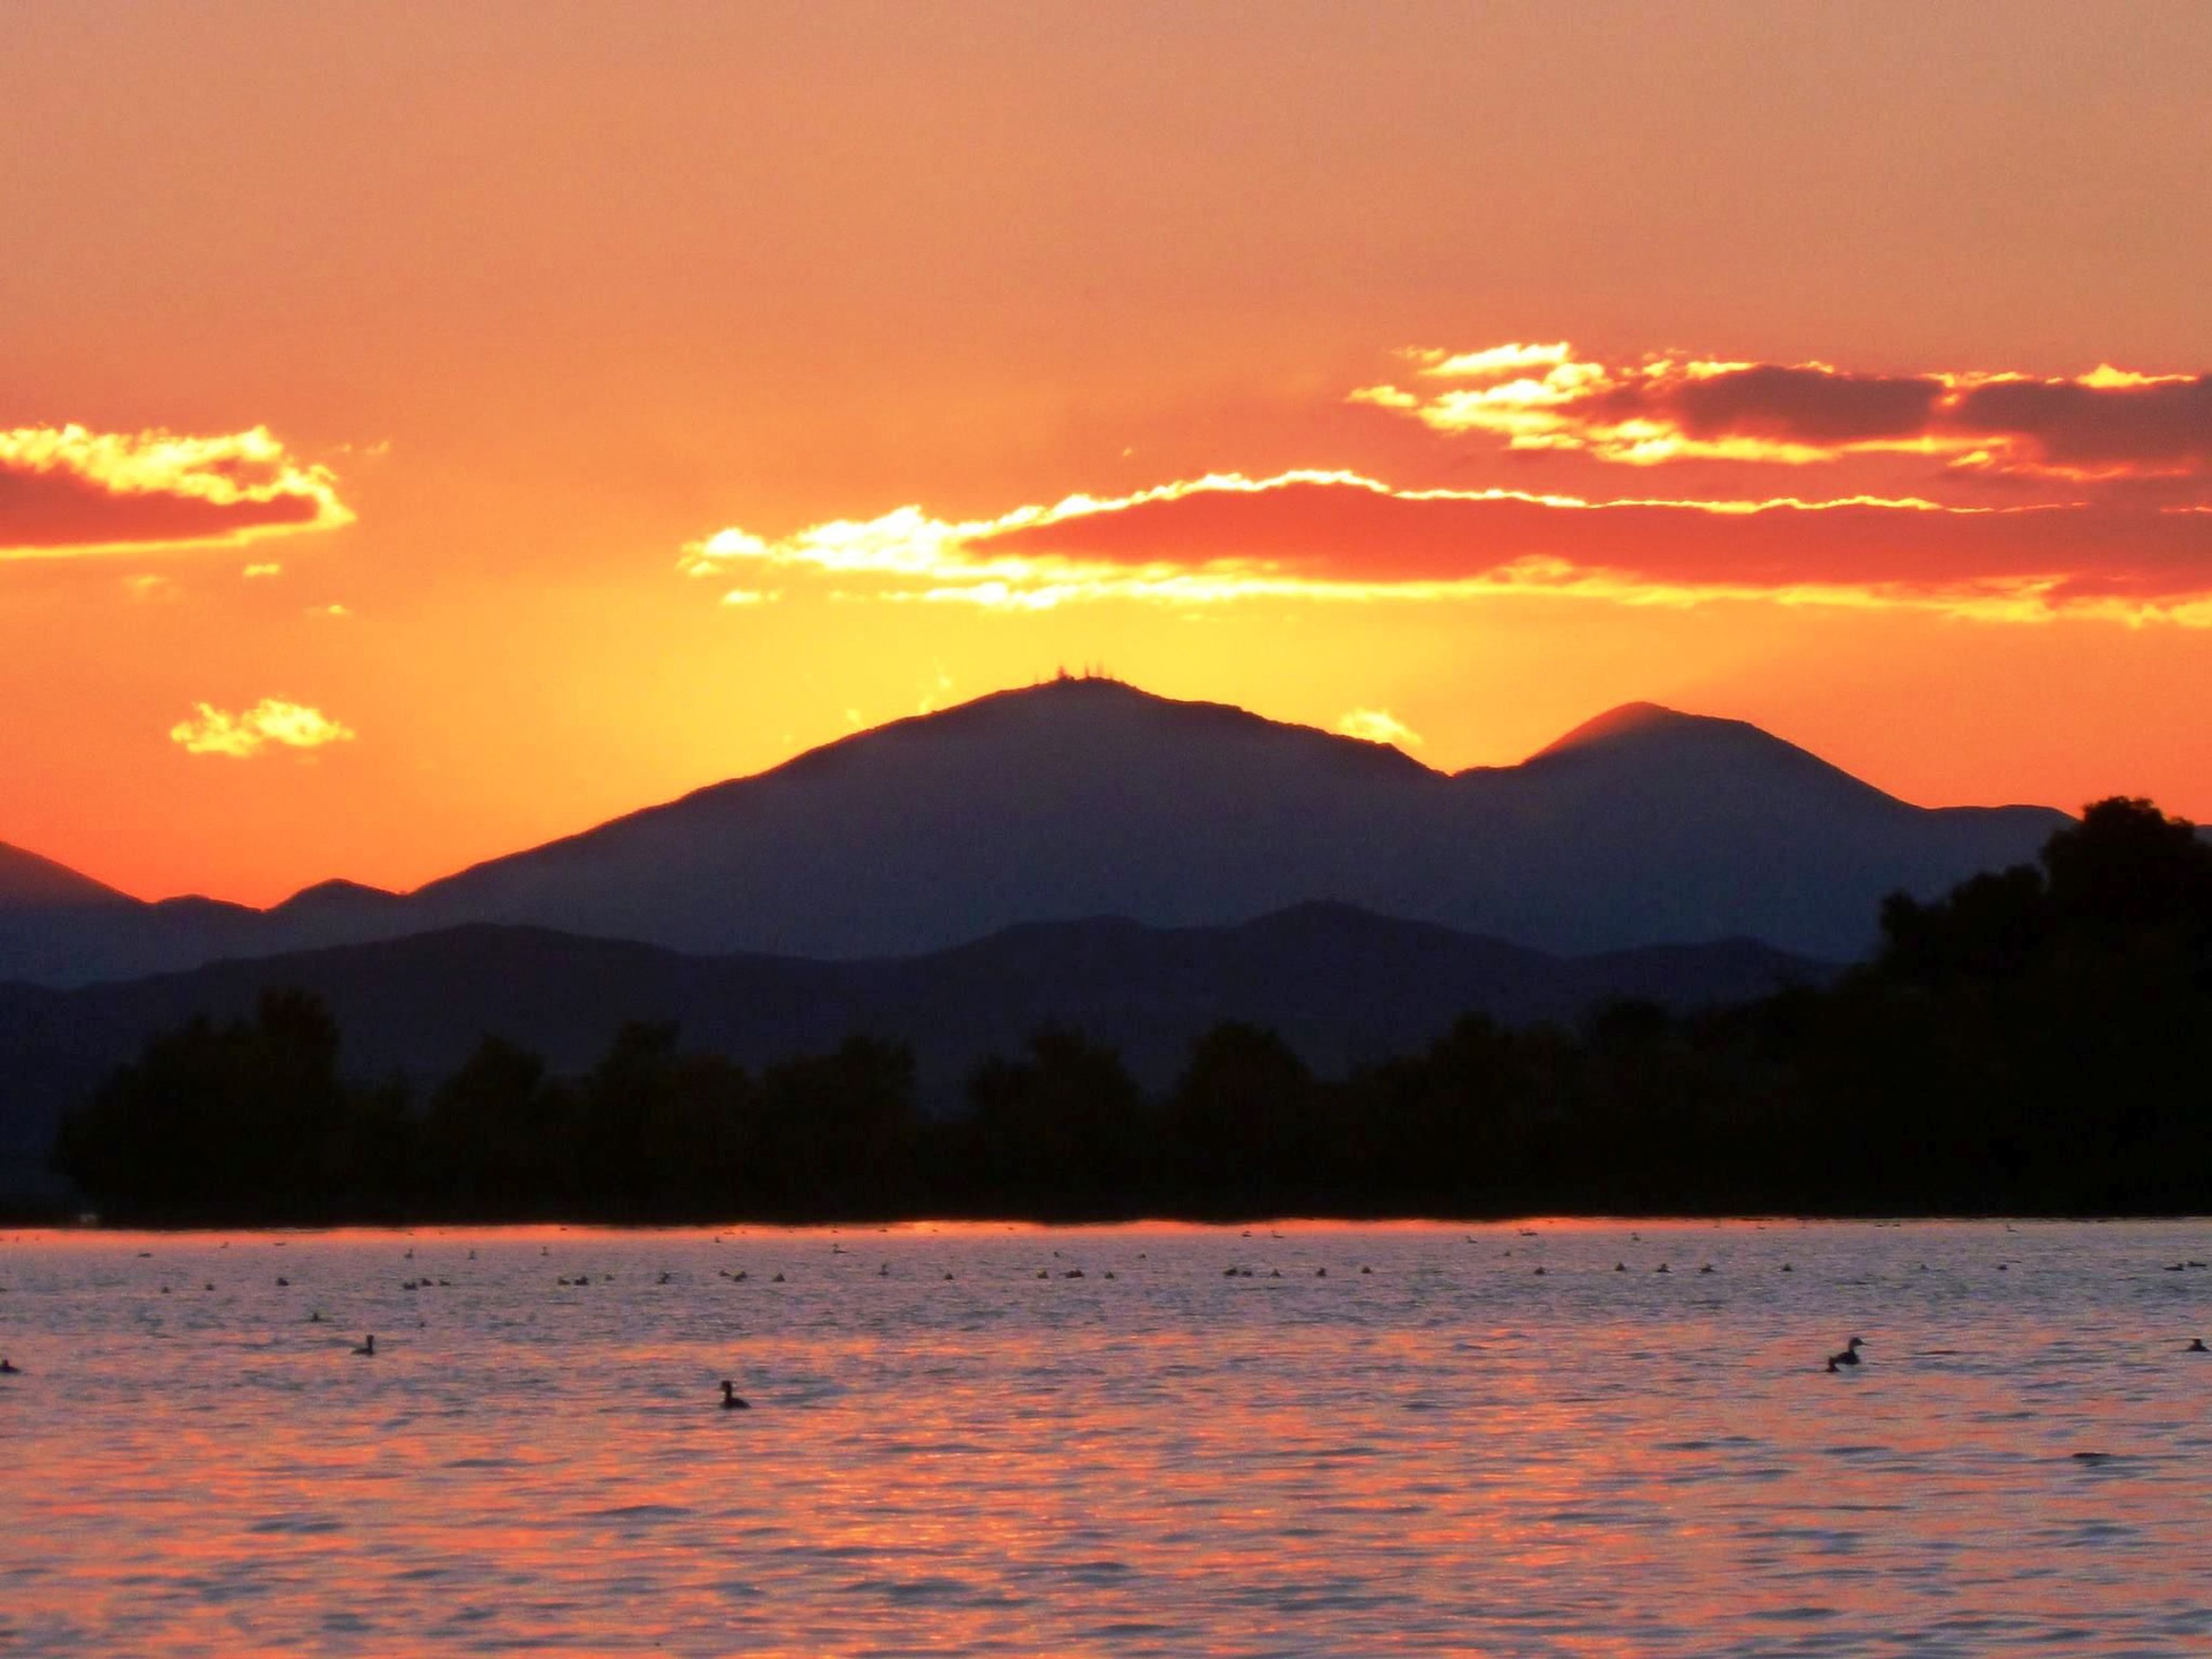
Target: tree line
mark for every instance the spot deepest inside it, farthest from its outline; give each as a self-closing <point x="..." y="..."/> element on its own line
<point x="2038" y="1041"/>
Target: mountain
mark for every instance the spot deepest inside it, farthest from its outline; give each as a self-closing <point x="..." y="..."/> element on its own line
<point x="1083" y="797"/>
<point x="68" y="929"/>
<point x="30" y="883"/>
<point x="1343" y="986"/>
<point x="1087" y="797"/>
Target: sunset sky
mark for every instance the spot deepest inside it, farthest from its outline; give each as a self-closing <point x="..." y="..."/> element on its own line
<point x="427" y="429"/>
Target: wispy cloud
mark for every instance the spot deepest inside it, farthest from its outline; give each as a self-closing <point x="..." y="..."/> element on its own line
<point x="213" y="731"/>
<point x="1341" y="537"/>
<point x="2108" y="423"/>
<point x="1379" y="726"/>
<point x="67" y="490"/>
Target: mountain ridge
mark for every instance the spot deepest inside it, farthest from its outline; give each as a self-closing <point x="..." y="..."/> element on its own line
<point x="1343" y="986"/>
<point x="1086" y="797"/>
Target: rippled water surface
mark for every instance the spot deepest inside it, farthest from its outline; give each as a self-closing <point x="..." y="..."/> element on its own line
<point x="1493" y="1442"/>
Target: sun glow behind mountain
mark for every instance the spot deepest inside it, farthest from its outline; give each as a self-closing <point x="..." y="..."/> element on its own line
<point x="562" y="421"/>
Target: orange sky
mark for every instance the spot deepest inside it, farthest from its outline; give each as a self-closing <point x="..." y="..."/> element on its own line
<point x="392" y="397"/>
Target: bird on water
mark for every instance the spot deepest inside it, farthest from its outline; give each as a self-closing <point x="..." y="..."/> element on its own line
<point x="2196" y="1345"/>
<point x="368" y="1349"/>
<point x="732" y="1400"/>
<point x="8" y="1368"/>
<point x="1850" y="1356"/>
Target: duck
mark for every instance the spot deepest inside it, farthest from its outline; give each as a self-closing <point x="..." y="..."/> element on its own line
<point x="368" y="1349"/>
<point x="8" y="1368"/>
<point x="1850" y="1356"/>
<point x="732" y="1400"/>
<point x="2196" y="1345"/>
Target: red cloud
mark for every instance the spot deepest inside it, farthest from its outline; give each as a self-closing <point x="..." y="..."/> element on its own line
<point x="2113" y="423"/>
<point x="64" y="490"/>
<point x="1339" y="536"/>
<point x="1341" y="531"/>
<point x="1792" y="405"/>
<point x="2109" y="422"/>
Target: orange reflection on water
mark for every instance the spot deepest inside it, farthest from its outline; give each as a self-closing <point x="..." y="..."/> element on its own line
<point x="1449" y="1453"/>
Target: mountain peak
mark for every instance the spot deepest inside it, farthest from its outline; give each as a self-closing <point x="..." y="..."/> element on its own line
<point x="1641" y="723"/>
<point x="338" y="897"/>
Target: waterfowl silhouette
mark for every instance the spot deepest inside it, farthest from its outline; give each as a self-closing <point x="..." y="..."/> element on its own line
<point x="8" y="1368"/>
<point x="368" y="1349"/>
<point x="2197" y="1346"/>
<point x="1850" y="1356"/>
<point x="732" y="1400"/>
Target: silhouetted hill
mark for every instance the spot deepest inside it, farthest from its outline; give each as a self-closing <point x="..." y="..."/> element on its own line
<point x="1088" y="797"/>
<point x="28" y="882"/>
<point x="1085" y="798"/>
<point x="1341" y="985"/>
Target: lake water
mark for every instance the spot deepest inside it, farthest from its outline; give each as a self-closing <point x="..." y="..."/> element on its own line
<point x="1451" y="1453"/>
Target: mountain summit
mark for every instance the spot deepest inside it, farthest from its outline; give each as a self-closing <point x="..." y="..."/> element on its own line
<point x="1085" y="798"/>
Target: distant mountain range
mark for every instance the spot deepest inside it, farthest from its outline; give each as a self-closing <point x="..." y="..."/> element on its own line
<point x="1083" y="797"/>
<point x="1342" y="985"/>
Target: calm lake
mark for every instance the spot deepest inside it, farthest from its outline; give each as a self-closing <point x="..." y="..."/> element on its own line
<point x="1435" y="1448"/>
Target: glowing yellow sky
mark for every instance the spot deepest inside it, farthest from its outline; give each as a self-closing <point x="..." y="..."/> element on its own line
<point x="393" y="398"/>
